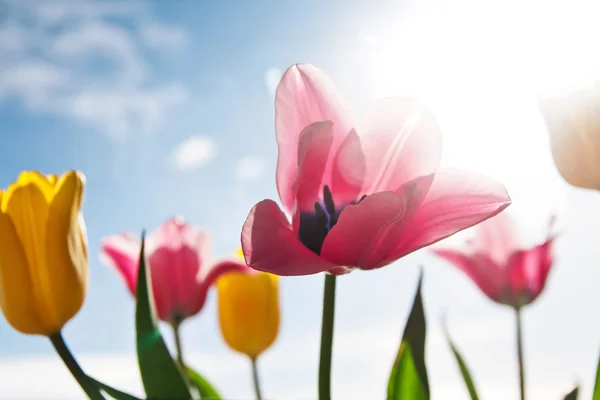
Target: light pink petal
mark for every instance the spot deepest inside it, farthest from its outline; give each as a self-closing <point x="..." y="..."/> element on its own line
<point x="486" y="274"/>
<point x="401" y="141"/>
<point x="305" y="95"/>
<point x="270" y="245"/>
<point x="173" y="233"/>
<point x="201" y="240"/>
<point x="177" y="292"/>
<point x="456" y="200"/>
<point x="349" y="170"/>
<point x="498" y="237"/>
<point x="367" y="231"/>
<point x="122" y="253"/>
<point x="313" y="154"/>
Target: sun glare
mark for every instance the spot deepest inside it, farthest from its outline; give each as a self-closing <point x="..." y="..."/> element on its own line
<point x="481" y="66"/>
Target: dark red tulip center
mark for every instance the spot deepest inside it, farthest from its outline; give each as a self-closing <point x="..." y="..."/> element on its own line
<point x="314" y="226"/>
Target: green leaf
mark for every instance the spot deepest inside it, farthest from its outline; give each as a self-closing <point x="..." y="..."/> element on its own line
<point x="572" y="395"/>
<point x="461" y="364"/>
<point x="205" y="389"/>
<point x="596" y="395"/>
<point x="112" y="392"/>
<point x="408" y="379"/>
<point x="161" y="376"/>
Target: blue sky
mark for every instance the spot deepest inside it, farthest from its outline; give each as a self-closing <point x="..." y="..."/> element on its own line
<point x="167" y="107"/>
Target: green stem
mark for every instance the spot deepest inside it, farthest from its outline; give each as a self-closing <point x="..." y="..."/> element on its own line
<point x="520" y="353"/>
<point x="327" y="338"/>
<point x="92" y="391"/>
<point x="176" y="325"/>
<point x="255" y="378"/>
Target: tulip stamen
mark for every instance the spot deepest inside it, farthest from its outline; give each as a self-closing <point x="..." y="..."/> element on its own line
<point x="314" y="227"/>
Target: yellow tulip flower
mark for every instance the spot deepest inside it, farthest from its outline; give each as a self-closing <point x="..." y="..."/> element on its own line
<point x="248" y="310"/>
<point x="43" y="252"/>
<point x="573" y="121"/>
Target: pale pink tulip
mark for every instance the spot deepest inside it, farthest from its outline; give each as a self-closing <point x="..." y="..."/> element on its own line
<point x="494" y="259"/>
<point x="178" y="255"/>
<point x="360" y="194"/>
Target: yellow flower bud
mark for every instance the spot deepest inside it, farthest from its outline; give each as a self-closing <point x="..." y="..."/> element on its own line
<point x="249" y="310"/>
<point x="43" y="251"/>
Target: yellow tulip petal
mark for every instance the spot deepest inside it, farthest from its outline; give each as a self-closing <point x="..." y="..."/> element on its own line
<point x="66" y="253"/>
<point x="28" y="178"/>
<point x="52" y="179"/>
<point x="249" y="311"/>
<point x="17" y="298"/>
<point x="27" y="207"/>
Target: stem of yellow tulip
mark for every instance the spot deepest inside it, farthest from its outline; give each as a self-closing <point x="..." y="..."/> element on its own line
<point x="520" y="353"/>
<point x="327" y="338"/>
<point x="176" y="324"/>
<point x="255" y="378"/>
<point x="92" y="391"/>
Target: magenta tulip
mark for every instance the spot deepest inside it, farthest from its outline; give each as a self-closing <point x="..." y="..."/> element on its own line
<point x="178" y="255"/>
<point x="360" y="194"/>
<point x="495" y="261"/>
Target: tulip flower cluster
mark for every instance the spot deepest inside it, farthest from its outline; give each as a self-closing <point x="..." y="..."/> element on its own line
<point x="356" y="193"/>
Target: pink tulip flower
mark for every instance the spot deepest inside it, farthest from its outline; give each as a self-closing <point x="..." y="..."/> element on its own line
<point x="363" y="193"/>
<point x="178" y="255"/>
<point x="504" y="271"/>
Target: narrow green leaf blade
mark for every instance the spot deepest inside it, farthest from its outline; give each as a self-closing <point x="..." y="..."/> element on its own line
<point x="205" y="389"/>
<point x="408" y="379"/>
<point x="161" y="376"/>
<point x="464" y="370"/>
<point x="596" y="395"/>
<point x="112" y="392"/>
<point x="573" y="394"/>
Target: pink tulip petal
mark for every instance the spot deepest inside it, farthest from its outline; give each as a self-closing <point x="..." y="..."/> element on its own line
<point x="122" y="253"/>
<point x="177" y="294"/>
<point x="456" y="200"/>
<point x="546" y="259"/>
<point x="498" y="237"/>
<point x="313" y="155"/>
<point x="270" y="245"/>
<point x="178" y="255"/>
<point x="172" y="233"/>
<point x="349" y="169"/>
<point x="305" y="95"/>
<point x="528" y="270"/>
<point x="366" y="232"/>
<point x="352" y="241"/>
<point x="486" y="274"/>
<point x="401" y="141"/>
<point x="223" y="267"/>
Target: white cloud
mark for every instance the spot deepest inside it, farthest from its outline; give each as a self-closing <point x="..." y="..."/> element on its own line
<point x="250" y="168"/>
<point x="102" y="40"/>
<point x="194" y="152"/>
<point x="272" y="78"/>
<point x="163" y="37"/>
<point x="92" y="70"/>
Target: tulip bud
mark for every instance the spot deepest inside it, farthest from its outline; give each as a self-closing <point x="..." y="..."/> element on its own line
<point x="43" y="252"/>
<point x="249" y="310"/>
